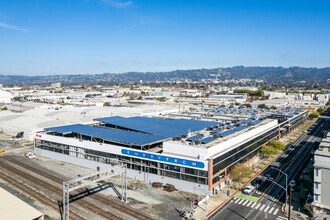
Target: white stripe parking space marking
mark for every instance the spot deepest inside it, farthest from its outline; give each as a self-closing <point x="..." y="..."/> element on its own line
<point x="246" y="201"/>
<point x="266" y="209"/>
<point x="242" y="200"/>
<point x="249" y="204"/>
<point x="237" y="200"/>
<point x="262" y="207"/>
<point x="258" y="206"/>
<point x="271" y="210"/>
<point x="275" y="212"/>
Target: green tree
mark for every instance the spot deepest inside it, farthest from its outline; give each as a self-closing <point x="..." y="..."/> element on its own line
<point x="139" y="98"/>
<point x="268" y="150"/>
<point x="320" y="110"/>
<point x="262" y="106"/>
<point x="4" y="108"/>
<point x="273" y="107"/>
<point x="277" y="145"/>
<point x="239" y="171"/>
<point x="314" y="115"/>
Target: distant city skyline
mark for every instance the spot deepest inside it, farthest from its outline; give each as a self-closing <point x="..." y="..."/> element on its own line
<point x="117" y="36"/>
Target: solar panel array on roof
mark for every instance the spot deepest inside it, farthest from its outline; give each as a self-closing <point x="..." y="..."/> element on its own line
<point x="290" y="115"/>
<point x="230" y="126"/>
<point x="256" y="122"/>
<point x="246" y="121"/>
<point x="226" y="133"/>
<point x="216" y="130"/>
<point x="158" y="126"/>
<point x="196" y="137"/>
<point x="207" y="140"/>
<point x="121" y="136"/>
<point x="240" y="128"/>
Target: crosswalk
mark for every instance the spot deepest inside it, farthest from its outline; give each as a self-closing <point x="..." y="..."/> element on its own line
<point x="258" y="206"/>
<point x="281" y="218"/>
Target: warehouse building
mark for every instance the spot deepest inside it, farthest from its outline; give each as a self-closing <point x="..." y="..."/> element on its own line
<point x="193" y="155"/>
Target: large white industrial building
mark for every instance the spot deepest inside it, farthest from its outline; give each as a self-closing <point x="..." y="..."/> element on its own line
<point x="194" y="151"/>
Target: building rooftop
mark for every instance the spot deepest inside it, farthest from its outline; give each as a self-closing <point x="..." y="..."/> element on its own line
<point x="13" y="208"/>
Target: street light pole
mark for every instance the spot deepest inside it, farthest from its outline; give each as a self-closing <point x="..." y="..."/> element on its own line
<point x="286" y="185"/>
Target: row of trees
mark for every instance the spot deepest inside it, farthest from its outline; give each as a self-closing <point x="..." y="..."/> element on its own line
<point x="250" y="92"/>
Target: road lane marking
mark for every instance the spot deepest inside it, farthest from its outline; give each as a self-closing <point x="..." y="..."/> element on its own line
<point x="246" y="201"/>
<point x="275" y="212"/>
<point x="266" y="209"/>
<point x="234" y="198"/>
<point x="253" y="204"/>
<point x="271" y="210"/>
<point x="249" y="204"/>
<point x="262" y="207"/>
<point x="240" y="202"/>
<point x="258" y="206"/>
<point x="237" y="200"/>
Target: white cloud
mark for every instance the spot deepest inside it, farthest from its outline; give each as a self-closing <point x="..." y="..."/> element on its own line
<point x="12" y="27"/>
<point x="118" y="3"/>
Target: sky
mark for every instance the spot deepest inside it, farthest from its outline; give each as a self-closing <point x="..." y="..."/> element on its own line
<point x="46" y="37"/>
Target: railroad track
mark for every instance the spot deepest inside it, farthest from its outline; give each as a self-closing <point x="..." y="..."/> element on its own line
<point x="99" y="198"/>
<point x="58" y="191"/>
<point x="36" y="195"/>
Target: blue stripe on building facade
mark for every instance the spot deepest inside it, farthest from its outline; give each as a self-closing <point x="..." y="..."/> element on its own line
<point x="177" y="161"/>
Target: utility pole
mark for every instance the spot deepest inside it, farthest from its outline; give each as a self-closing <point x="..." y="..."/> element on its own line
<point x="289" y="216"/>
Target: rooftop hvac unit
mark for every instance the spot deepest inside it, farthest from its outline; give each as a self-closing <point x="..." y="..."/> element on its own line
<point x="197" y="142"/>
<point x="216" y="135"/>
<point x="177" y="138"/>
<point x="183" y="136"/>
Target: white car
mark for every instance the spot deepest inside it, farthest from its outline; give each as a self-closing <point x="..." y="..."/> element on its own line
<point x="248" y="189"/>
<point x="30" y="155"/>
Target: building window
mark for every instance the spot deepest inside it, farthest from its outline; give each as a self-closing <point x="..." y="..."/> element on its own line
<point x="316" y="197"/>
<point x="316" y="186"/>
<point x="316" y="172"/>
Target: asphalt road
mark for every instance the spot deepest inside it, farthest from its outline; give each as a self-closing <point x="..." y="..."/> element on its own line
<point x="272" y="195"/>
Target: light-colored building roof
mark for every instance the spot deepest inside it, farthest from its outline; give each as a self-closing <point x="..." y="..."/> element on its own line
<point x="13" y="208"/>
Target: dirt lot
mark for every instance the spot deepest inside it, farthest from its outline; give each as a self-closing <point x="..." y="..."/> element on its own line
<point x="149" y="201"/>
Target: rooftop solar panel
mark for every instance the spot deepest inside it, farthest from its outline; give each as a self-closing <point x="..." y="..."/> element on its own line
<point x="196" y="137"/>
<point x="256" y="122"/>
<point x="121" y="136"/>
<point x="230" y="126"/>
<point x="226" y="133"/>
<point x="159" y="126"/>
<point x="207" y="140"/>
<point x="216" y="130"/>
<point x="240" y="128"/>
<point x="246" y="121"/>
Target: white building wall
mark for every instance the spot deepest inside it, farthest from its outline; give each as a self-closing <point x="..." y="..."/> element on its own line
<point x="134" y="174"/>
<point x="225" y="146"/>
<point x="108" y="148"/>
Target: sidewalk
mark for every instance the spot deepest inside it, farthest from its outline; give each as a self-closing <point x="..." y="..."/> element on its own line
<point x="213" y="202"/>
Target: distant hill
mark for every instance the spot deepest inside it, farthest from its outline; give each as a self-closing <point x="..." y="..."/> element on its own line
<point x="268" y="74"/>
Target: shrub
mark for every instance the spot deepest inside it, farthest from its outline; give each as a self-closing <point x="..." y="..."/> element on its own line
<point x="314" y="115"/>
<point x="277" y="144"/>
<point x="268" y="150"/>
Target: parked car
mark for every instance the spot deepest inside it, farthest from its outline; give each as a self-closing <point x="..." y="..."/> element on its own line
<point x="248" y="189"/>
<point x="30" y="155"/>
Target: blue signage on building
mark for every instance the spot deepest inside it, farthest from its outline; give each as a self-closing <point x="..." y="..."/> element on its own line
<point x="177" y="161"/>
